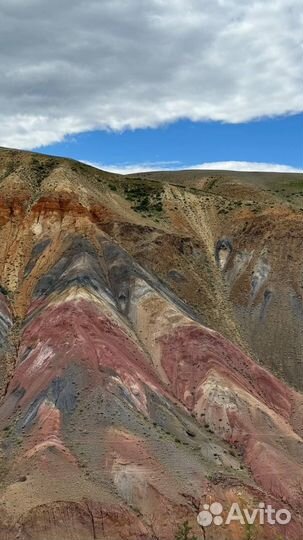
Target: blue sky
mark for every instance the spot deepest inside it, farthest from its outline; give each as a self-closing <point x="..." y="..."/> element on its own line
<point x="152" y="84"/>
<point x="185" y="144"/>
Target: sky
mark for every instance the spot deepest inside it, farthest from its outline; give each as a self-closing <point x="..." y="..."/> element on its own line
<point x="132" y="85"/>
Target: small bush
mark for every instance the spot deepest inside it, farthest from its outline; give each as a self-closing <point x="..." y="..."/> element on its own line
<point x="146" y="199"/>
<point x="184" y="532"/>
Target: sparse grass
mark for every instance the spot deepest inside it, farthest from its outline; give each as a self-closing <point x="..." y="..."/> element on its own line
<point x="184" y="532"/>
<point x="113" y="187"/>
<point x="145" y="198"/>
<point x="40" y="169"/>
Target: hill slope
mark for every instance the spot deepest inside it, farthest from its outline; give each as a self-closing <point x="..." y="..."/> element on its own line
<point x="151" y="349"/>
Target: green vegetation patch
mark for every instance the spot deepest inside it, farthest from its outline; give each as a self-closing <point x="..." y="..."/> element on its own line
<point x="184" y="532"/>
<point x="145" y="197"/>
<point x="41" y="169"/>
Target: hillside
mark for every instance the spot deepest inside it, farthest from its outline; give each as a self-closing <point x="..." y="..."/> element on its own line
<point x="151" y="349"/>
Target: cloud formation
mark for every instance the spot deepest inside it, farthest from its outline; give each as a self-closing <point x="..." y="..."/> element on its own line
<point x="247" y="166"/>
<point x="130" y="168"/>
<point x="69" y="66"/>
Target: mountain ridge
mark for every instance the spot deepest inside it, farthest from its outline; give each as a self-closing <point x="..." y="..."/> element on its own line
<point x="151" y="349"/>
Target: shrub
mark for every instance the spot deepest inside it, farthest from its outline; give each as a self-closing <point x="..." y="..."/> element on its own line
<point x="184" y="532"/>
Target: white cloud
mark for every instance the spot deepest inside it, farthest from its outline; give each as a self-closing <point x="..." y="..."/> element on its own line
<point x="247" y="166"/>
<point x="71" y="66"/>
<point x="130" y="168"/>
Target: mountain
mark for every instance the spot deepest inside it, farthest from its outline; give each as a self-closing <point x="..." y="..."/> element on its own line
<point x="151" y="350"/>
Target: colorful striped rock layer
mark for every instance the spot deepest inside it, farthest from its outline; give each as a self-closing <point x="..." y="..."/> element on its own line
<point x="151" y="351"/>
